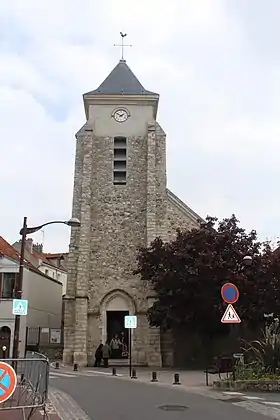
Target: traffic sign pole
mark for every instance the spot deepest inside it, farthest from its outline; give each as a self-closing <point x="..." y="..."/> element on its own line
<point x="130" y="322"/>
<point x="130" y="352"/>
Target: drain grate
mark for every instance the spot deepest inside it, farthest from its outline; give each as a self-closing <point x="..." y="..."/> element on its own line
<point x="173" y="407"/>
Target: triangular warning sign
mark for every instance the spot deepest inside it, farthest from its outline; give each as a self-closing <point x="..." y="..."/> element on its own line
<point x="230" y="316"/>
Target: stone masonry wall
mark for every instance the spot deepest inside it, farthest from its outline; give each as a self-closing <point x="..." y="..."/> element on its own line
<point x="118" y="224"/>
<point x="179" y="216"/>
<point x="69" y="299"/>
<point x="156" y="215"/>
<point x="123" y="217"/>
<point x="115" y="222"/>
<point x="83" y="266"/>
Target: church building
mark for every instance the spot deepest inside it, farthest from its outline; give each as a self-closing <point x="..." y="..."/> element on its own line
<point x="121" y="198"/>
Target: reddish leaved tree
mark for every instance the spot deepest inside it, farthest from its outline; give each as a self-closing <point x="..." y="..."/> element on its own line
<point x="187" y="275"/>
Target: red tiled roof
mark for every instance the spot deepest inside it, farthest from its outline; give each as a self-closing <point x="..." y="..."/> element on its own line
<point x="9" y="251"/>
<point x="50" y="255"/>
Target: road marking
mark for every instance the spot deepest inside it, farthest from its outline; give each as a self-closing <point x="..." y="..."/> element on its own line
<point x="63" y="375"/>
<point x="248" y="397"/>
<point x="89" y="373"/>
<point x="98" y="372"/>
<point x="232" y="393"/>
<point x="271" y="403"/>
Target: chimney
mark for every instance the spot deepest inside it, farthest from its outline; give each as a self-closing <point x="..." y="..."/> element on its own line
<point x="29" y="244"/>
<point x="38" y="248"/>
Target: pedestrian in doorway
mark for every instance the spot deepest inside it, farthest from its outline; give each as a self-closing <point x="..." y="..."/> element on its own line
<point x="106" y="352"/>
<point x="98" y="355"/>
<point x="115" y="347"/>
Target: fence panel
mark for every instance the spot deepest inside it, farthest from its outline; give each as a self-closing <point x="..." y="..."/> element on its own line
<point x="32" y="384"/>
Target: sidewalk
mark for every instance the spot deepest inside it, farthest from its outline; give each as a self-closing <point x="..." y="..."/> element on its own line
<point x="188" y="378"/>
<point x="19" y="399"/>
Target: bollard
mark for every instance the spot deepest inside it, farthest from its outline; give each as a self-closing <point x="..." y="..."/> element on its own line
<point x="176" y="379"/>
<point x="133" y="376"/>
<point x="114" y="372"/>
<point x="154" y="377"/>
<point x="75" y="367"/>
<point x="56" y="365"/>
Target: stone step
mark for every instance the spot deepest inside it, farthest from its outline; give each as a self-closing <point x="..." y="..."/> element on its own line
<point x="124" y="363"/>
<point x="119" y="362"/>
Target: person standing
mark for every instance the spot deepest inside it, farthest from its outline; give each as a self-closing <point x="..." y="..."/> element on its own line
<point x="106" y="352"/>
<point x="115" y="347"/>
<point x="98" y="355"/>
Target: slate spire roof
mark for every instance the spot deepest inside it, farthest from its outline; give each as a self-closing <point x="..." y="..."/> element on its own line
<point x="120" y="81"/>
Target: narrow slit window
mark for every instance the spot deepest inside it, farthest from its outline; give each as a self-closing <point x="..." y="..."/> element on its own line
<point x="119" y="163"/>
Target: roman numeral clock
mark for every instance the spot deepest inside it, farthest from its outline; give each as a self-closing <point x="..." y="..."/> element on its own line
<point x="120" y="115"/>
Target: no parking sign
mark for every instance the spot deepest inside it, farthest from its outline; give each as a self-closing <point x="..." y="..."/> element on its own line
<point x="8" y="381"/>
<point x="230" y="293"/>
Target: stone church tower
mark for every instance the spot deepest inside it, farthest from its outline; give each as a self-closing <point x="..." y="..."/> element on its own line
<point x="121" y="199"/>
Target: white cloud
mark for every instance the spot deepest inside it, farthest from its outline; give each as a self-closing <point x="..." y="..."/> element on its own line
<point x="219" y="104"/>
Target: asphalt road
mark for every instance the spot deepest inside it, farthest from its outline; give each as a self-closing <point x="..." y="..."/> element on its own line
<point x="116" y="399"/>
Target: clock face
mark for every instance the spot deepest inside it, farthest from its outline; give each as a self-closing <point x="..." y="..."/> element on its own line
<point x="121" y="115"/>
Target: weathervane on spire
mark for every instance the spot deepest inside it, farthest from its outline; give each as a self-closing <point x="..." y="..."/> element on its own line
<point x="122" y="45"/>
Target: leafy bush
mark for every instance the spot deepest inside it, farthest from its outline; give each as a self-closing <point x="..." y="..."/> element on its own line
<point x="254" y="371"/>
<point x="262" y="356"/>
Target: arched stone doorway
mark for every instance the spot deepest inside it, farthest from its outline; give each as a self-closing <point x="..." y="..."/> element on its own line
<point x="5" y="341"/>
<point x="113" y="308"/>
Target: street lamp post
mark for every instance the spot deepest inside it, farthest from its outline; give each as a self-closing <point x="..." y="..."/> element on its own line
<point x="247" y="260"/>
<point x="73" y="222"/>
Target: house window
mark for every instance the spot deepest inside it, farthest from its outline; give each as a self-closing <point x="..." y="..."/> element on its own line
<point x="47" y="272"/>
<point x="7" y="285"/>
<point x="119" y="164"/>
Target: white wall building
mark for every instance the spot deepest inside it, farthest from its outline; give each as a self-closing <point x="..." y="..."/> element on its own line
<point x="52" y="265"/>
<point x="44" y="295"/>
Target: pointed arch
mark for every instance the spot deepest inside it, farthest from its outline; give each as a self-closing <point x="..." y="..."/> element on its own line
<point x="115" y="300"/>
<point x="121" y="295"/>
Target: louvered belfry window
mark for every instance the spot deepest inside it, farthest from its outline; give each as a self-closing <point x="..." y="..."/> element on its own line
<point x="119" y="164"/>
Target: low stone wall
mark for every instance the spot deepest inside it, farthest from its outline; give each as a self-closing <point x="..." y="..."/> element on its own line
<point x="261" y="385"/>
<point x="52" y="351"/>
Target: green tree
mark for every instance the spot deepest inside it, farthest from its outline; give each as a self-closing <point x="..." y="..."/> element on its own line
<point x="187" y="275"/>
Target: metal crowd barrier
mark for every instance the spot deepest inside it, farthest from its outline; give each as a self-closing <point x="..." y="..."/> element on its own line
<point x="31" y="392"/>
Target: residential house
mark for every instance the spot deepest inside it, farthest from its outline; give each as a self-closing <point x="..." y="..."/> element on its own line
<point x="53" y="265"/>
<point x="42" y="292"/>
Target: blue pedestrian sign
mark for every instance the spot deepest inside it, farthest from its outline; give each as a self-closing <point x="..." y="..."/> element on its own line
<point x="20" y="307"/>
<point x="130" y="321"/>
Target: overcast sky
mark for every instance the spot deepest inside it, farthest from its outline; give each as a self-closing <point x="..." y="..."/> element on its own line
<point x="216" y="65"/>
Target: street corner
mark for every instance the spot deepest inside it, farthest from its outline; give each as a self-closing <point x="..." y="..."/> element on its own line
<point x="49" y="412"/>
<point x="15" y="412"/>
<point x="39" y="414"/>
<point x="65" y="407"/>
